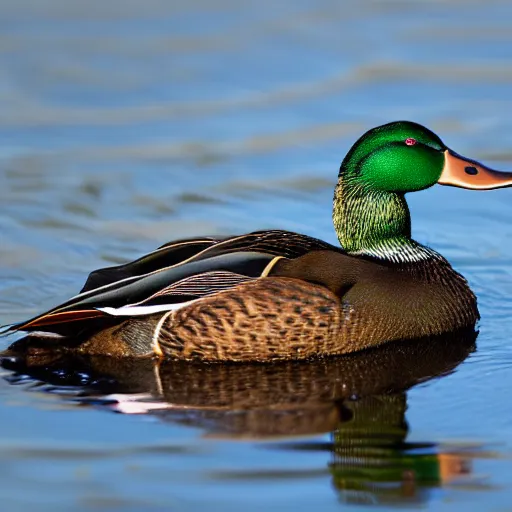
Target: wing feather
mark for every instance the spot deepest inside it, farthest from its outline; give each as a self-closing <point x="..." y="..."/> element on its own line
<point x="200" y="285"/>
<point x="139" y="288"/>
<point x="60" y="318"/>
<point x="178" y="272"/>
<point x="170" y="254"/>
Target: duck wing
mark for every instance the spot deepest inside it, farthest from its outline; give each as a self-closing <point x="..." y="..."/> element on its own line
<point x="176" y="273"/>
<point x="167" y="255"/>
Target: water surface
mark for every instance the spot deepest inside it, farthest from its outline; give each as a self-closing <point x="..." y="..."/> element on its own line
<point x="124" y="125"/>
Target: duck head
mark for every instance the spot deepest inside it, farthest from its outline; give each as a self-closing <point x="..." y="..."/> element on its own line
<point x="381" y="167"/>
<point x="406" y="157"/>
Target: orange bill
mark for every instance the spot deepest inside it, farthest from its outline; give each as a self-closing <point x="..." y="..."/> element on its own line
<point x="463" y="172"/>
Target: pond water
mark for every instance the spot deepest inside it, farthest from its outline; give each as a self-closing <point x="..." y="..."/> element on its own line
<point x="126" y="124"/>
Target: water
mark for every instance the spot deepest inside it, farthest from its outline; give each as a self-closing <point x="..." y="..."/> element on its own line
<point x="124" y="125"/>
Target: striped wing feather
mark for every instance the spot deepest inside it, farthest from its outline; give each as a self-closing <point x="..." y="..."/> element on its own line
<point x="197" y="286"/>
<point x="177" y="272"/>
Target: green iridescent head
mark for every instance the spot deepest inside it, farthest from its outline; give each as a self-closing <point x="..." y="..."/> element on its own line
<point x="396" y="157"/>
<point x="370" y="213"/>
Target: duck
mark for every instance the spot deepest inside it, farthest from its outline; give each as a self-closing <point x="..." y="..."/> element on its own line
<point x="276" y="295"/>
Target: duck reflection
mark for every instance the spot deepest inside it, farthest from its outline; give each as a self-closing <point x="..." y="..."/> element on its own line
<point x="360" y="399"/>
<point x="373" y="463"/>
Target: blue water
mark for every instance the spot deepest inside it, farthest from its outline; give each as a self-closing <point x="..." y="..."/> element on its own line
<point x="126" y="124"/>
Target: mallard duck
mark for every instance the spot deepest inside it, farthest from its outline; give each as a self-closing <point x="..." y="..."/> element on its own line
<point x="276" y="295"/>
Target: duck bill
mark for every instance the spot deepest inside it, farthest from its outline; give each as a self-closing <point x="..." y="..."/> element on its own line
<point x="465" y="173"/>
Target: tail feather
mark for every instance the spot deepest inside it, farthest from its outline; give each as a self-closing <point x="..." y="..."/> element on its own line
<point x="5" y="329"/>
<point x="48" y="320"/>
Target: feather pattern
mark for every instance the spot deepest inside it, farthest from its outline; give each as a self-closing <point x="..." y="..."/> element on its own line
<point x="170" y="254"/>
<point x="200" y="285"/>
<point x="172" y="297"/>
<point x="177" y="272"/>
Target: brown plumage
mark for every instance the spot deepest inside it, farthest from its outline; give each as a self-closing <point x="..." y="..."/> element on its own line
<point x="319" y="303"/>
<point x="322" y="303"/>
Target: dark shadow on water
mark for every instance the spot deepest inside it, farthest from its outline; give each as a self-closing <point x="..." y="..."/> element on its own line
<point x="360" y="399"/>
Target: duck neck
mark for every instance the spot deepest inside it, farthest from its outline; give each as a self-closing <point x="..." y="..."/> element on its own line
<point x="375" y="223"/>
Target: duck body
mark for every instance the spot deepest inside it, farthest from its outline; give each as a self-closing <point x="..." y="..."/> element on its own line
<point x="276" y="295"/>
<point x="265" y="296"/>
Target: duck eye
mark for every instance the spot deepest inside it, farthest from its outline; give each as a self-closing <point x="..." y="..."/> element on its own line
<point x="410" y="141"/>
